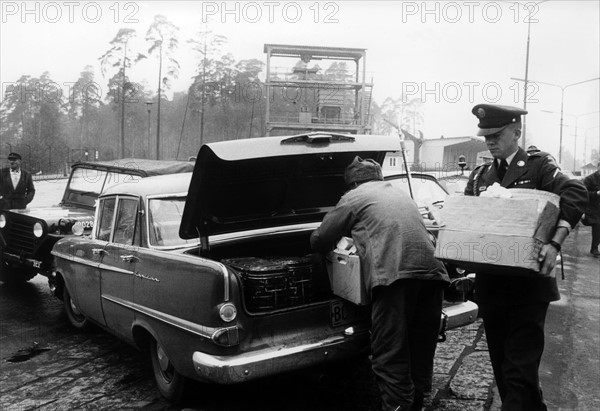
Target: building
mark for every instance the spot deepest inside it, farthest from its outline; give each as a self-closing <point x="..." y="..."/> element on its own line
<point x="588" y="169"/>
<point x="441" y="154"/>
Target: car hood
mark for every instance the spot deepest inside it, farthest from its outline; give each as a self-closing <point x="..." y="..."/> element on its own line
<point x="54" y="214"/>
<point x="267" y="182"/>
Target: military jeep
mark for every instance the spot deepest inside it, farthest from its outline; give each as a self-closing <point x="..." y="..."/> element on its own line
<point x="27" y="236"/>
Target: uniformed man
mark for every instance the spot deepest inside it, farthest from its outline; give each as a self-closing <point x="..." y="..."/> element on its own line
<point x="533" y="149"/>
<point x="514" y="308"/>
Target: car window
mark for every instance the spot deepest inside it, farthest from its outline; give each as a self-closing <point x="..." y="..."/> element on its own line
<point x="87" y="180"/>
<point x="425" y="191"/>
<point x="106" y="213"/>
<point x="164" y="219"/>
<point x="126" y="221"/>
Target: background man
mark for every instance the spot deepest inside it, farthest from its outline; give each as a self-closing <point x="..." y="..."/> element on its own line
<point x="16" y="185"/>
<point x="592" y="212"/>
<point x="404" y="279"/>
<point x="514" y="308"/>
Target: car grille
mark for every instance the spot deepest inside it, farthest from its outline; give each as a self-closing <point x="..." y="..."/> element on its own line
<point x="275" y="283"/>
<point x="19" y="235"/>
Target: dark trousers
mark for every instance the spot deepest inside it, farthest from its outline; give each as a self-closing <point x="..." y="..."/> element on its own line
<point x="595" y="236"/>
<point x="405" y="324"/>
<point x="515" y="337"/>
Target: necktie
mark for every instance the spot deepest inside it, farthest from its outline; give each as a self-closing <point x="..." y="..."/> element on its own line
<point x="502" y="169"/>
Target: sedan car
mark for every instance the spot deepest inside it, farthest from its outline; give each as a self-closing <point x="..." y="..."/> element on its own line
<point x="212" y="273"/>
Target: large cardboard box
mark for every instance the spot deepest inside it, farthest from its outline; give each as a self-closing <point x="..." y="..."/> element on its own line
<point x="345" y="277"/>
<point x="483" y="234"/>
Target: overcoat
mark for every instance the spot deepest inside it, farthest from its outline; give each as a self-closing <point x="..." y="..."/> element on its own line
<point x="592" y="212"/>
<point x="19" y="197"/>
<point x="535" y="171"/>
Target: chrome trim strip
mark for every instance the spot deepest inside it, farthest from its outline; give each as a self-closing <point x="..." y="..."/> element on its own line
<point x="225" y="281"/>
<point x="80" y="260"/>
<point x="197" y="329"/>
<point x="112" y="268"/>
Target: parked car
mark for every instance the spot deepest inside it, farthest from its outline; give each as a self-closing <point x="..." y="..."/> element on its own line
<point x="27" y="236"/>
<point x="221" y="286"/>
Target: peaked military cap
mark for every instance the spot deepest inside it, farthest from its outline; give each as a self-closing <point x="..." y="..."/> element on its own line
<point x="493" y="118"/>
<point x="14" y="156"/>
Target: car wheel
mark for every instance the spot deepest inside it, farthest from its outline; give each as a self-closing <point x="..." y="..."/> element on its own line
<point x="74" y="315"/>
<point x="171" y="384"/>
<point x="10" y="275"/>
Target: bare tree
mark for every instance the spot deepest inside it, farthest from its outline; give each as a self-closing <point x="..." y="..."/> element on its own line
<point x="162" y="36"/>
<point x="116" y="56"/>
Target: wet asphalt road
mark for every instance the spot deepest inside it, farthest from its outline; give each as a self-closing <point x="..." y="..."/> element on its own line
<point x="46" y="365"/>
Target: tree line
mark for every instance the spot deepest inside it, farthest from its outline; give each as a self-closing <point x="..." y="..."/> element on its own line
<point x="53" y="126"/>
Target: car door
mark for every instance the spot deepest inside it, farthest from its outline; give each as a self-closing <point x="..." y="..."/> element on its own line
<point x="117" y="269"/>
<point x="86" y="289"/>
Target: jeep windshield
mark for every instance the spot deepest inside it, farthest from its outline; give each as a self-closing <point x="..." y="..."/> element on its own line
<point x="86" y="184"/>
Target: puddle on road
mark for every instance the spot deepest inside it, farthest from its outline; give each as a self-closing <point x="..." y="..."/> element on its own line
<point x="27" y="353"/>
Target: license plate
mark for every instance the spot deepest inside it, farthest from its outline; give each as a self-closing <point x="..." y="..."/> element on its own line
<point x="340" y="313"/>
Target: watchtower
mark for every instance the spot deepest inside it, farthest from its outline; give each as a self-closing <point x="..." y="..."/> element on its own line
<point x="303" y="96"/>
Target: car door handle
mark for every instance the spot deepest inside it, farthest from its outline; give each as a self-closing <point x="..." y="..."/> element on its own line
<point x="99" y="251"/>
<point x="128" y="258"/>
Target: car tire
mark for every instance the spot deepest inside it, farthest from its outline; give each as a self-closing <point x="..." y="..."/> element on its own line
<point x="9" y="275"/>
<point x="75" y="317"/>
<point x="171" y="384"/>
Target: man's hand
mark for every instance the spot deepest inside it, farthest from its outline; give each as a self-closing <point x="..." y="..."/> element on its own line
<point x="547" y="259"/>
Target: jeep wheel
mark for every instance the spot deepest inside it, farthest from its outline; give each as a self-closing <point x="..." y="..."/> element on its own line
<point x="10" y="275"/>
<point x="171" y="384"/>
<point x="75" y="317"/>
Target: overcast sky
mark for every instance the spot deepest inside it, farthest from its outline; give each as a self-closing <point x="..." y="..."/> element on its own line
<point x="453" y="55"/>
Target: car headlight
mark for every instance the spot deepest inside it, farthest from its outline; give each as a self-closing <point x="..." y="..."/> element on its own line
<point x="38" y="230"/>
<point x="228" y="312"/>
<point x="2" y="221"/>
<point x="77" y="228"/>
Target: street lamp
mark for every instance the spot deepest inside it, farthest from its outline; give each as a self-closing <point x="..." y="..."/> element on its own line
<point x="149" y="108"/>
<point x="524" y="134"/>
<point x="562" y="101"/>
<point x="576" y="116"/>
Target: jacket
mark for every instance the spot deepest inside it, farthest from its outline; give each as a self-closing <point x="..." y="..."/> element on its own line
<point x="19" y="197"/>
<point x="592" y="212"/>
<point x="388" y="231"/>
<point x="536" y="171"/>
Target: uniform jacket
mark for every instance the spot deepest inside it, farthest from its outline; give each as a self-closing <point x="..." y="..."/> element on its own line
<point x="17" y="197"/>
<point x="592" y="183"/>
<point x="388" y="231"/>
<point x="536" y="171"/>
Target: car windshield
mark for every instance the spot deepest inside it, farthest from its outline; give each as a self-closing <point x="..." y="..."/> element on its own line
<point x="426" y="191"/>
<point x="163" y="222"/>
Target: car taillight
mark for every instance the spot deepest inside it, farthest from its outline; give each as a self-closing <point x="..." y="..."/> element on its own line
<point x="228" y="312"/>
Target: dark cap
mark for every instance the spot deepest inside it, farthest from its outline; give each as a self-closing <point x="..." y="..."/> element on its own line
<point x="360" y="171"/>
<point x="533" y="149"/>
<point x="14" y="156"/>
<point x="493" y="118"/>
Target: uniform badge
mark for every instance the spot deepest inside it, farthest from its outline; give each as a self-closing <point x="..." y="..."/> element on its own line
<point x="520" y="163"/>
<point x="480" y="113"/>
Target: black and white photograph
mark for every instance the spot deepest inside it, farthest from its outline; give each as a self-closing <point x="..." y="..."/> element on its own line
<point x="300" y="205"/>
